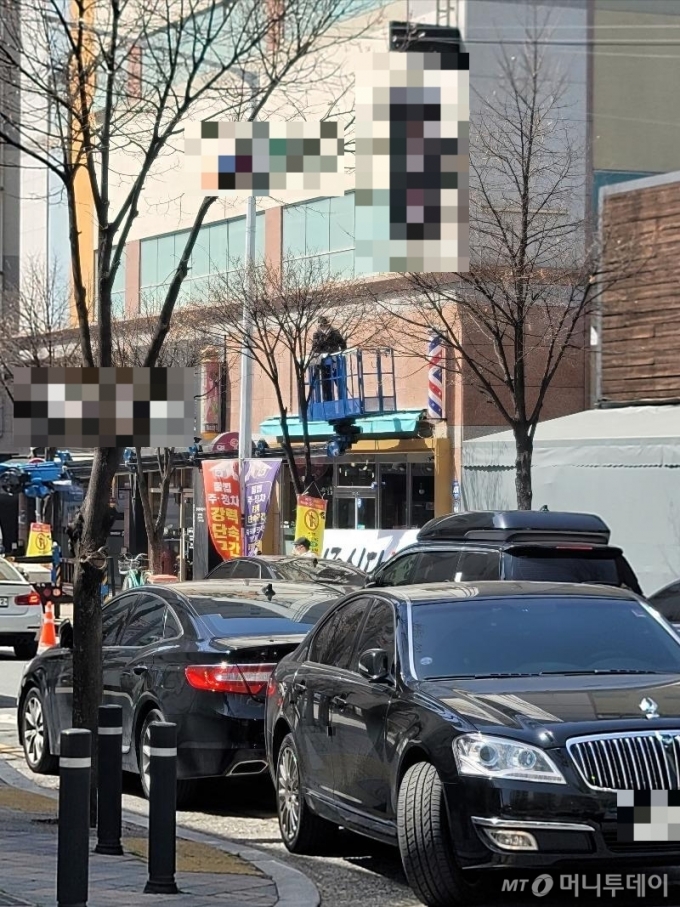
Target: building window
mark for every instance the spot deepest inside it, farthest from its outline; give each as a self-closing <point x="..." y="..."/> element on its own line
<point x="219" y="249"/>
<point x="322" y="231"/>
<point x="118" y="289"/>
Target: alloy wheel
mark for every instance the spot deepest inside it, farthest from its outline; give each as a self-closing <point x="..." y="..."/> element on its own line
<point x="34" y="730"/>
<point x="145" y="760"/>
<point x="288" y="793"/>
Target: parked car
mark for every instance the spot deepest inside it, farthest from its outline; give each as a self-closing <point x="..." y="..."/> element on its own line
<point x="291" y="569"/>
<point x="20" y="611"/>
<point x="667" y="602"/>
<point x="198" y="654"/>
<point x="531" y="545"/>
<point x="476" y="727"/>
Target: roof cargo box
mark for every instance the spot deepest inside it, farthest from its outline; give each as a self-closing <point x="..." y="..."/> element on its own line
<point x="517" y="526"/>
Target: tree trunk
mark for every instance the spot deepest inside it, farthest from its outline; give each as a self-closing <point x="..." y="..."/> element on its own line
<point x="302" y="408"/>
<point x="87" y="604"/>
<point x="524" y="451"/>
<point x="156" y="554"/>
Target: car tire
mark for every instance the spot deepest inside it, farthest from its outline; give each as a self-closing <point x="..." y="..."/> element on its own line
<point x="34" y="735"/>
<point x="186" y="788"/>
<point x="425" y="841"/>
<point x="26" y="650"/>
<point x="302" y="831"/>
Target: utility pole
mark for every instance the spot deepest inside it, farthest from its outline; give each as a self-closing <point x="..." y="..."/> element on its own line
<point x="245" y="429"/>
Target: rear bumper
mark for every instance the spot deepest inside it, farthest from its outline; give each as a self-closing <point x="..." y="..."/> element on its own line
<point x="219" y="746"/>
<point x="19" y="627"/>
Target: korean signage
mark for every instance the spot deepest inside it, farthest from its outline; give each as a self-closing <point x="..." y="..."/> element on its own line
<point x="259" y="479"/>
<point x="223" y="505"/>
<point x="210" y="402"/>
<point x="311" y="521"/>
<point x="366" y="548"/>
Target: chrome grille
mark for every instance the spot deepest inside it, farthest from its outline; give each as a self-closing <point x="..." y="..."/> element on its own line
<point x="647" y="760"/>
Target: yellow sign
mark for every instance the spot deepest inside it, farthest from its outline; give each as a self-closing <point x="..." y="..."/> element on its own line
<point x="311" y="521"/>
<point x="39" y="540"/>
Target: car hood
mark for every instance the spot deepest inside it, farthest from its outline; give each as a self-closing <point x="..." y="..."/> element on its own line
<point x="561" y="706"/>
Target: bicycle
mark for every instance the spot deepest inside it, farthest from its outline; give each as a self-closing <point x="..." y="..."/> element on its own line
<point x="132" y="571"/>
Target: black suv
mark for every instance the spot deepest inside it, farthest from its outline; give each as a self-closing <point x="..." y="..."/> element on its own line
<point x="510" y="545"/>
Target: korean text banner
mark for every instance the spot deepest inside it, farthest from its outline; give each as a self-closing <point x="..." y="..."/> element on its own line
<point x="260" y="476"/>
<point x="311" y="521"/>
<point x="223" y="505"/>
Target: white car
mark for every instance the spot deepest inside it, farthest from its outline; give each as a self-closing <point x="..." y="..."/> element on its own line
<point x="20" y="611"/>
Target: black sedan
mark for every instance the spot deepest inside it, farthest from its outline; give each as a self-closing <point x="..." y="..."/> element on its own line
<point x="292" y="569"/>
<point x="477" y="727"/>
<point x="198" y="654"/>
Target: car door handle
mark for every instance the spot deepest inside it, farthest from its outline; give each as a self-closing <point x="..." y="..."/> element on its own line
<point x="299" y="686"/>
<point x="340" y="702"/>
<point x="139" y="670"/>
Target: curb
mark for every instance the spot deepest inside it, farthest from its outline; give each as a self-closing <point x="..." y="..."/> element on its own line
<point x="294" y="888"/>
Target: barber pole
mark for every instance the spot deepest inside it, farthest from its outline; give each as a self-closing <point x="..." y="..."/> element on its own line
<point x="435" y="391"/>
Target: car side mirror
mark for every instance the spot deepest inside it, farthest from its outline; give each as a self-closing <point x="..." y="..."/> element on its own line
<point x="374" y="665"/>
<point x="66" y="634"/>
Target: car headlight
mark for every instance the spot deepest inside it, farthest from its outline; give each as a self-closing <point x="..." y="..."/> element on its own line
<point x="496" y="757"/>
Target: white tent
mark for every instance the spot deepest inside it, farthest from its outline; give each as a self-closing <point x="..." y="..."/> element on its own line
<point x="622" y="463"/>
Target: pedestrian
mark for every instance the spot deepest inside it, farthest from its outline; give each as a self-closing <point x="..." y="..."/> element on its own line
<point x="326" y="342"/>
<point x="302" y="547"/>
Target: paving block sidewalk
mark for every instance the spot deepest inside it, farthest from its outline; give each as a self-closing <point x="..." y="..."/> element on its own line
<point x="207" y="874"/>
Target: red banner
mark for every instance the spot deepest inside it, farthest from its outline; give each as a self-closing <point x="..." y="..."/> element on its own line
<point x="223" y="505"/>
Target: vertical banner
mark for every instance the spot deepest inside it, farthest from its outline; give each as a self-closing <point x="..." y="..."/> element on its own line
<point x="258" y="483"/>
<point x="435" y="386"/>
<point x="40" y="540"/>
<point x="223" y="505"/>
<point x="311" y="521"/>
<point x="210" y="400"/>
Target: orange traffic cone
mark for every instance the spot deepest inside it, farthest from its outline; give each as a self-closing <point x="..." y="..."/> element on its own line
<point x="48" y="630"/>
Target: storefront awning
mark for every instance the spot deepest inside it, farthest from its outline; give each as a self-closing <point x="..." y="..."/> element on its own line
<point x="403" y="423"/>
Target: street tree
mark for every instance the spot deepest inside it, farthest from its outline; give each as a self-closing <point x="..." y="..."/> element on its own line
<point x="273" y="315"/>
<point x="106" y="86"/>
<point x="535" y="273"/>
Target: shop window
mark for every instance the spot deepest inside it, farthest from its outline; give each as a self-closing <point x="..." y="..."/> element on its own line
<point x="393" y="497"/>
<point x="356" y="475"/>
<point x="422" y="494"/>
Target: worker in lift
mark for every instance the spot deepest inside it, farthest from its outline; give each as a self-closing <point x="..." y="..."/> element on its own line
<point x="326" y="341"/>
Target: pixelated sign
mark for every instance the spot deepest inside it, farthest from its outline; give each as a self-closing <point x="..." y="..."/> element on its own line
<point x="103" y="407"/>
<point x="412" y="173"/>
<point x="264" y="158"/>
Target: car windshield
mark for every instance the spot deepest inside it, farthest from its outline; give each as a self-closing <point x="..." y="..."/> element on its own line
<point x="234" y="617"/>
<point x="535" y="635"/>
<point x="567" y="566"/>
<point x="303" y="569"/>
<point x="9" y="573"/>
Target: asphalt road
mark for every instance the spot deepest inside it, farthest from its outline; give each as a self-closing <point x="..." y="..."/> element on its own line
<point x="358" y="871"/>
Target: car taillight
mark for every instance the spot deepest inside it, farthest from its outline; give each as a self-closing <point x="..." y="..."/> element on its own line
<point x="272" y="686"/>
<point x="249" y="679"/>
<point x="31" y="599"/>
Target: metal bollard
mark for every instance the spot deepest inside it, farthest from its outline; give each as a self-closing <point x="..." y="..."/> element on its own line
<point x="162" y="808"/>
<point x="73" y="854"/>
<point x="110" y="780"/>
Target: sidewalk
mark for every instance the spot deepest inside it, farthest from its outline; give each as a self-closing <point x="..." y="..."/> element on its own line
<point x="210" y="871"/>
